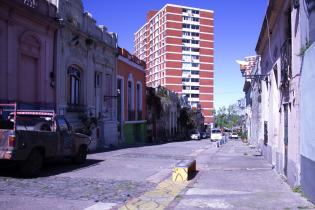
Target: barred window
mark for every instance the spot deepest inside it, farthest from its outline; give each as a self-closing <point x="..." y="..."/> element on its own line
<point x="74" y="75"/>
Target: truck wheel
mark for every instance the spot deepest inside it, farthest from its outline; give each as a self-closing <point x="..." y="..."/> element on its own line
<point x="80" y="156"/>
<point x="32" y="166"/>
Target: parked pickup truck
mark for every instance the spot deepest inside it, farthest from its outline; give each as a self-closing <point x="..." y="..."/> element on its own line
<point x="30" y="137"/>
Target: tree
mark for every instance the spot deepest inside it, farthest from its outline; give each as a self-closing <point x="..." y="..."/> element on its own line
<point x="227" y="117"/>
<point x="186" y="119"/>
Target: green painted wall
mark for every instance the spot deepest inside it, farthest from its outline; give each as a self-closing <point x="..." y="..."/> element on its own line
<point x="135" y="133"/>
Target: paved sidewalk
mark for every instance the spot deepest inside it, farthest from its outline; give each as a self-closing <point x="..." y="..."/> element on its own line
<point x="236" y="177"/>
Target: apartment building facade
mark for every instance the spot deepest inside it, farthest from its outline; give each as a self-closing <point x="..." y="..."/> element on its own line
<point x="177" y="43"/>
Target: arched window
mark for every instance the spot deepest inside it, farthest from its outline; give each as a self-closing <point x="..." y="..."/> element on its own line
<point x="75" y="79"/>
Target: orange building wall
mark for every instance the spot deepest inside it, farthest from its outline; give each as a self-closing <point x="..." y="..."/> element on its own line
<point x="123" y="70"/>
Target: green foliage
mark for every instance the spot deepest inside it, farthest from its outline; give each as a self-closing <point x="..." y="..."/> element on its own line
<point x="89" y="123"/>
<point x="186" y="119"/>
<point x="227" y="117"/>
<point x="297" y="189"/>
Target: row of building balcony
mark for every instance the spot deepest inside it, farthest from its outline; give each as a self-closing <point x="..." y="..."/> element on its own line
<point x="191" y="22"/>
<point x="189" y="83"/>
<point x="189" y="75"/>
<point x="189" y="52"/>
<point x="191" y="60"/>
<point x="190" y="66"/>
<point x="190" y="37"/>
<point x="190" y="45"/>
<point x="190" y="91"/>
<point x="191" y="30"/>
<point x="190" y="14"/>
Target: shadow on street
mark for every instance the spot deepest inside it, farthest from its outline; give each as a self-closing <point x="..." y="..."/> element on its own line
<point x="136" y="145"/>
<point x="50" y="168"/>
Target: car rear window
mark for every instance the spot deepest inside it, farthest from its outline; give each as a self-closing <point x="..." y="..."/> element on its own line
<point x="34" y="123"/>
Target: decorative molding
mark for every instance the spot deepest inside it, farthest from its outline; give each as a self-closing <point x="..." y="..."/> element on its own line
<point x="31" y="3"/>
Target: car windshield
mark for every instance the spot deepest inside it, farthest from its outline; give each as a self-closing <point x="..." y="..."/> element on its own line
<point x="216" y="131"/>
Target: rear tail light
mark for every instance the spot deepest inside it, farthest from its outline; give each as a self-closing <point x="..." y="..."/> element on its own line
<point x="11" y="141"/>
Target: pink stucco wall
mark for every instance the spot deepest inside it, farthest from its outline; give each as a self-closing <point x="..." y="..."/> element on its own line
<point x="27" y="52"/>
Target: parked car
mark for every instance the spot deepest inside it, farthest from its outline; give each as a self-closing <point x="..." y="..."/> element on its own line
<point x="233" y="135"/>
<point x="30" y="137"/>
<point x="203" y="135"/>
<point x="216" y="135"/>
<point x="195" y="135"/>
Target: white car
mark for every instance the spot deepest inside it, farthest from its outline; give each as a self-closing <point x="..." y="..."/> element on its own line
<point x="195" y="135"/>
<point x="233" y="136"/>
<point x="216" y="135"/>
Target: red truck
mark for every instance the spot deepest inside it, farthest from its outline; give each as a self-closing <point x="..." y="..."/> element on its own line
<point x="28" y="137"/>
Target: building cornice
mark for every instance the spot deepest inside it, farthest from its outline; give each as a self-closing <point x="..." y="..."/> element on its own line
<point x="127" y="61"/>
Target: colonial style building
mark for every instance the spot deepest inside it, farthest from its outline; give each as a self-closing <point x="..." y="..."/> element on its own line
<point x="163" y="113"/>
<point x="86" y="73"/>
<point x="131" y="98"/>
<point x="27" y="37"/>
<point x="282" y="90"/>
<point x="303" y="63"/>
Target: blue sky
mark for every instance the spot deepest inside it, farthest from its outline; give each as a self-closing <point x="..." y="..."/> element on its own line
<point x="237" y="27"/>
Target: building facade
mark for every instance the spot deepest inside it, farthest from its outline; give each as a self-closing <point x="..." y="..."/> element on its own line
<point x="163" y="112"/>
<point x="285" y="78"/>
<point x="252" y="90"/>
<point x="279" y="121"/>
<point x="177" y="43"/>
<point x="86" y="73"/>
<point x="303" y="52"/>
<point x="131" y="98"/>
<point x="27" y="38"/>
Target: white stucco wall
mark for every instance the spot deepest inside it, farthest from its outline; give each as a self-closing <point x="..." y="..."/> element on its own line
<point x="307" y="104"/>
<point x="90" y="47"/>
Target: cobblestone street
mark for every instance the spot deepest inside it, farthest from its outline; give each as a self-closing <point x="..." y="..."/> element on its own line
<point x="231" y="176"/>
<point x="97" y="190"/>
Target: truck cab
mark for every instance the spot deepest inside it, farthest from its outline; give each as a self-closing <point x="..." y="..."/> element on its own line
<point x="28" y="137"/>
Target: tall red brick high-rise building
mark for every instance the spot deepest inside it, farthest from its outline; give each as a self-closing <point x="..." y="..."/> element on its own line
<point x="177" y="44"/>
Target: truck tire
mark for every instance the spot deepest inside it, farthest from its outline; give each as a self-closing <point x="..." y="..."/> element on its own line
<point x="80" y="157"/>
<point x="32" y="166"/>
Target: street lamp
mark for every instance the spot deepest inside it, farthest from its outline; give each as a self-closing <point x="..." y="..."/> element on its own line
<point x="246" y="69"/>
